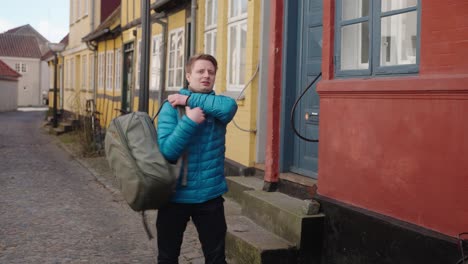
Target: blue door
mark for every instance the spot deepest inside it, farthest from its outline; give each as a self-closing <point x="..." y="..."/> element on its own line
<point x="307" y="113"/>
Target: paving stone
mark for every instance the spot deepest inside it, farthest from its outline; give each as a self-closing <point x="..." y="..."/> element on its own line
<point x="56" y="208"/>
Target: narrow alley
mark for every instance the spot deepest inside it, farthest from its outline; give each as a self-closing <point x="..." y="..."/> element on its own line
<point x="53" y="210"/>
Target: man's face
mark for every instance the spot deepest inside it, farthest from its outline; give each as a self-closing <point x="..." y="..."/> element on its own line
<point x="202" y="77"/>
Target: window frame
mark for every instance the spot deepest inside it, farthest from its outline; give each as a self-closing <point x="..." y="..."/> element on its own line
<point x="118" y="70"/>
<point x="374" y="19"/>
<point x="91" y="64"/>
<point x="137" y="66"/>
<point x="73" y="73"/>
<point x="211" y="28"/>
<point x="237" y="21"/>
<point x="84" y="71"/>
<point x="101" y="69"/>
<point x="176" y="67"/>
<point x="109" y="70"/>
<point x="156" y="51"/>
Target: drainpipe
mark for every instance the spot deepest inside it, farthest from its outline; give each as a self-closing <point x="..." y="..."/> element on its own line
<point x="193" y="28"/>
<point x="275" y="54"/>
<point x="143" y="101"/>
<point x="162" y="68"/>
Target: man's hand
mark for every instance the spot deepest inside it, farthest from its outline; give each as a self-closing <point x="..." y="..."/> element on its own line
<point x="196" y="114"/>
<point x="177" y="99"/>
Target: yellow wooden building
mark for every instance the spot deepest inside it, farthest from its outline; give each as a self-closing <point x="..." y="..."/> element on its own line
<point x="229" y="30"/>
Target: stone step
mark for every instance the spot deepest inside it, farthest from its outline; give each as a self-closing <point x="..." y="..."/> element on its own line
<point x="66" y="127"/>
<point x="248" y="243"/>
<point x="57" y="130"/>
<point x="296" y="221"/>
<point x="237" y="185"/>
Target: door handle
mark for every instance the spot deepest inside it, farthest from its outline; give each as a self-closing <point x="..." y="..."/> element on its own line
<point x="308" y="115"/>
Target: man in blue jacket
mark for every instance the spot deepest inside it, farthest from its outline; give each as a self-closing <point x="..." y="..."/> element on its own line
<point x="199" y="136"/>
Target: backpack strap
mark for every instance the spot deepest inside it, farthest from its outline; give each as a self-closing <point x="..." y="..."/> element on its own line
<point x="145" y="225"/>
<point x="181" y="110"/>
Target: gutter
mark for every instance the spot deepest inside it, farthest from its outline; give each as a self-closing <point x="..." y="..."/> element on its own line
<point x="193" y="27"/>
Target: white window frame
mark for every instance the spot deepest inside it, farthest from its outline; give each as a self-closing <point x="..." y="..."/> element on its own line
<point x="137" y="72"/>
<point x="109" y="70"/>
<point x="211" y="27"/>
<point x="72" y="74"/>
<point x="72" y="11"/>
<point x="101" y="67"/>
<point x="118" y="70"/>
<point x="178" y="65"/>
<point x="91" y="72"/>
<point x="84" y="71"/>
<point x="85" y="7"/>
<point x="24" y="67"/>
<point x="156" y="57"/>
<point x="18" y="67"/>
<point x="78" y="10"/>
<point x="237" y="21"/>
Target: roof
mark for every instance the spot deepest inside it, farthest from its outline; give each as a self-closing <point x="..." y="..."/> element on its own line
<point x="7" y="73"/>
<point x="50" y="53"/>
<point x="104" y="28"/>
<point x="27" y="30"/>
<point x="12" y="45"/>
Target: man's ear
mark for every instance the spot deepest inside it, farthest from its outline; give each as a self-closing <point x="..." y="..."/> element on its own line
<point x="187" y="76"/>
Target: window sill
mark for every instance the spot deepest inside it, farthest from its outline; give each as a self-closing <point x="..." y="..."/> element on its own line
<point x="395" y="84"/>
<point x="236" y="95"/>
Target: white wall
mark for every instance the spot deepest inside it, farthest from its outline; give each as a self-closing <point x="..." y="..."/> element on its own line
<point x="29" y="84"/>
<point x="8" y="95"/>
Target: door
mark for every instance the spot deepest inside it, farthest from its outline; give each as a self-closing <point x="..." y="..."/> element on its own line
<point x="127" y="78"/>
<point x="307" y="113"/>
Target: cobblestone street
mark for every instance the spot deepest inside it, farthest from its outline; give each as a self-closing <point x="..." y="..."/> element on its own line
<point x="57" y="209"/>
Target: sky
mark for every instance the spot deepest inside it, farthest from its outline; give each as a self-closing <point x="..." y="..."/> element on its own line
<point x="48" y="17"/>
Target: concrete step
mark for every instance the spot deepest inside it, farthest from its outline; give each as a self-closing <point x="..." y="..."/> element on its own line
<point x="57" y="130"/>
<point x="296" y="221"/>
<point x="248" y="243"/>
<point x="237" y="185"/>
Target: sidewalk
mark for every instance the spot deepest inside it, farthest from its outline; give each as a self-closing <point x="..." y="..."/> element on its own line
<point x="191" y="249"/>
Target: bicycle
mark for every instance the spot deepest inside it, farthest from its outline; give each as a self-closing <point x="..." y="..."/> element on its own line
<point x="96" y="130"/>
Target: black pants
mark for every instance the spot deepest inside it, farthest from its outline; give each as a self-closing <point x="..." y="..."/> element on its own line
<point x="209" y="220"/>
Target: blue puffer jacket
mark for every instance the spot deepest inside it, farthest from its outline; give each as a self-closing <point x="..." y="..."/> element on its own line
<point x="204" y="145"/>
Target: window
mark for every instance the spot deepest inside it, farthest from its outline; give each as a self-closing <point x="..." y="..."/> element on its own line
<point x="109" y="69"/>
<point x="237" y="38"/>
<point x="85" y="7"/>
<point x="137" y="72"/>
<point x="118" y="73"/>
<point x="84" y="71"/>
<point x="78" y="10"/>
<point x="72" y="74"/>
<point x="156" y="62"/>
<point x="67" y="73"/>
<point x="101" y="58"/>
<point x="91" y="72"/>
<point x="210" y="26"/>
<point x="21" y="67"/>
<point x="376" y="37"/>
<point x="175" y="69"/>
<point x="72" y="11"/>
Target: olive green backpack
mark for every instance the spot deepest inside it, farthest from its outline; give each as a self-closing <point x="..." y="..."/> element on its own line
<point x="145" y="178"/>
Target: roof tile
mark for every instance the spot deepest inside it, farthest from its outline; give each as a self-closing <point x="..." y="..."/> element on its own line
<point x="6" y="72"/>
<point x="12" y="45"/>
